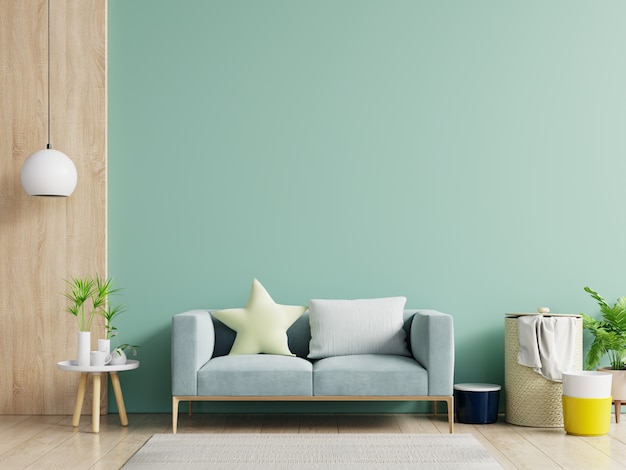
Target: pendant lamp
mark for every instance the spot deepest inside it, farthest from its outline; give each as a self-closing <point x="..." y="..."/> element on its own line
<point x="48" y="172"/>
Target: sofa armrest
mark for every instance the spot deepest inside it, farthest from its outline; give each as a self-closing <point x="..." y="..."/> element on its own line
<point x="432" y="343"/>
<point x="193" y="339"/>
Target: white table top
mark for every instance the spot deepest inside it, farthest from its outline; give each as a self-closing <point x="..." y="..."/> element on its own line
<point x="72" y="366"/>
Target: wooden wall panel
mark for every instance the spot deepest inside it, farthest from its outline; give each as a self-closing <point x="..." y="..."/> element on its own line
<point x="46" y="240"/>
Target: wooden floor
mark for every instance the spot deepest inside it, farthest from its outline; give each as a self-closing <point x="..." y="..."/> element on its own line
<point x="49" y="442"/>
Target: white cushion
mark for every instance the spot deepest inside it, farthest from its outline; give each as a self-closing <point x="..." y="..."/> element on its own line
<point x="363" y="326"/>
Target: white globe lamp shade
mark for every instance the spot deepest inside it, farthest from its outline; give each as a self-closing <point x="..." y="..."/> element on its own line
<point x="49" y="172"/>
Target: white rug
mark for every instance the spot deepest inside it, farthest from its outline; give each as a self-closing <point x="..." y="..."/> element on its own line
<point x="312" y="451"/>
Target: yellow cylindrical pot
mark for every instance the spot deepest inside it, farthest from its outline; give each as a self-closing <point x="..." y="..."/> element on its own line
<point x="587" y="416"/>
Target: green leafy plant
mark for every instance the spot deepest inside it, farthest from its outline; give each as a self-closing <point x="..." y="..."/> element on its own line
<point x="609" y="332"/>
<point x="88" y="297"/>
<point x="109" y="315"/>
<point x="123" y="347"/>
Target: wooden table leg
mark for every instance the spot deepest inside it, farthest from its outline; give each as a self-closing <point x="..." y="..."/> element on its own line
<point x="618" y="410"/>
<point x="80" y="397"/>
<point x="95" y="405"/>
<point x="117" y="389"/>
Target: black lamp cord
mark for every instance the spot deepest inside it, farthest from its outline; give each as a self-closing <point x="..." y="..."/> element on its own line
<point x="48" y="146"/>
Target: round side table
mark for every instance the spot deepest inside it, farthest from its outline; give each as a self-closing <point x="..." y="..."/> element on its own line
<point x="95" y="372"/>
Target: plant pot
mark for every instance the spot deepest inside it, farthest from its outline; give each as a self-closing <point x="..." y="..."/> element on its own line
<point x="84" y="348"/>
<point x="587" y="416"/>
<point x="104" y="345"/>
<point x="587" y="402"/>
<point x="118" y="358"/>
<point x="618" y="387"/>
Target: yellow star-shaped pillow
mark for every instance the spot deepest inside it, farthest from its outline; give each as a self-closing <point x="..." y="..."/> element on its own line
<point x="262" y="325"/>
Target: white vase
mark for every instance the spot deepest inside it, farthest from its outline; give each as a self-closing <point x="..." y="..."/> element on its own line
<point x="118" y="358"/>
<point x="618" y="385"/>
<point x="104" y="345"/>
<point x="84" y="348"/>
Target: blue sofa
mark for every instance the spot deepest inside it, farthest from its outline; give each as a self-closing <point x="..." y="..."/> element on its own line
<point x="202" y="370"/>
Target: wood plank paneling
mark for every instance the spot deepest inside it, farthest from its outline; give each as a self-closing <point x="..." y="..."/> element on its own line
<point x="46" y="240"/>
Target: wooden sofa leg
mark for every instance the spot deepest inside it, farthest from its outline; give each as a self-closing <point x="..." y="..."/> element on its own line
<point x="174" y="414"/>
<point x="190" y="407"/>
<point x="450" y="401"/>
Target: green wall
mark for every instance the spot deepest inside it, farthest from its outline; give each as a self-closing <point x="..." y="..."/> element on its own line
<point x="466" y="154"/>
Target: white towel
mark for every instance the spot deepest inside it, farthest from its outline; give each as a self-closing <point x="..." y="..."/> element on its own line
<point x="547" y="344"/>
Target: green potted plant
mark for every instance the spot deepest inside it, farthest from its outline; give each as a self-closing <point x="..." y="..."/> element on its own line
<point x="110" y="330"/>
<point x="118" y="356"/>
<point x="609" y="335"/>
<point x="87" y="297"/>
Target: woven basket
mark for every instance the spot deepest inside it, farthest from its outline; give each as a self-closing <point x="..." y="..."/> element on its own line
<point x="531" y="399"/>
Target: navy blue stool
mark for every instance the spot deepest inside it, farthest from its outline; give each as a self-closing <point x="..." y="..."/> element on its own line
<point x="476" y="403"/>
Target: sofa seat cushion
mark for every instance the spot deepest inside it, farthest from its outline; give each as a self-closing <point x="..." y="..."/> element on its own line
<point x="369" y="375"/>
<point x="255" y="375"/>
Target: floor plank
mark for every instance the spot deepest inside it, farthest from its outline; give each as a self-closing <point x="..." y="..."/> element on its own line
<point x="570" y="452"/>
<point x="135" y="437"/>
<point x="280" y="424"/>
<point x="373" y="424"/>
<point x="507" y="441"/>
<point x="324" y="424"/>
<point x="10" y="420"/>
<point x="409" y="425"/>
<point x="35" y="442"/>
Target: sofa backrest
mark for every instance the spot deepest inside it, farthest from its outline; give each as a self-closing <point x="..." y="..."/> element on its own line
<point x="298" y="335"/>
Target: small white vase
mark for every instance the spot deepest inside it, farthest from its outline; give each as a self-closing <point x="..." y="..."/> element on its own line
<point x="118" y="358"/>
<point x="104" y="345"/>
<point x="618" y="385"/>
<point x="84" y="348"/>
